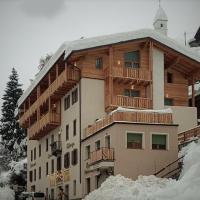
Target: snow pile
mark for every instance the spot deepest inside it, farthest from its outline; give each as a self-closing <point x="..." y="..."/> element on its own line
<point x="153" y="188"/>
<point x="6" y="193"/>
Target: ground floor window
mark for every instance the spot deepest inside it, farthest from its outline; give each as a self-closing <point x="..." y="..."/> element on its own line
<point x="159" y="141"/>
<point x="134" y="140"/>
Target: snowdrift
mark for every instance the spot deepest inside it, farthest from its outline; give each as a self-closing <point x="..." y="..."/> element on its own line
<point x="6" y="193"/>
<point x="153" y="188"/>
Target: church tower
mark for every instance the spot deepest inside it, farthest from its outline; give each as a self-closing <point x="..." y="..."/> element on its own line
<point x="160" y="21"/>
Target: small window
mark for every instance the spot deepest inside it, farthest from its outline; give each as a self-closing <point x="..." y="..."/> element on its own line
<point x="74" y="96"/>
<point x="34" y="174"/>
<point x="31" y="176"/>
<point x="168" y="102"/>
<point x="52" y="193"/>
<point x="52" y="139"/>
<point x="87" y="152"/>
<point x="47" y="193"/>
<point x="161" y="25"/>
<point x="47" y="168"/>
<point x="40" y="173"/>
<point x="67" y="132"/>
<point x="131" y="93"/>
<point x="169" y="77"/>
<point x="52" y="166"/>
<point x="47" y="144"/>
<point x="74" y="127"/>
<point x="132" y="59"/>
<point x="159" y="141"/>
<point x="134" y="140"/>
<point x="67" y="160"/>
<point x="40" y="150"/>
<point x="31" y="155"/>
<point x="97" y="145"/>
<point x="35" y="153"/>
<point x="74" y="157"/>
<point x="88" y="188"/>
<point x="99" y="63"/>
<point x="67" y="102"/>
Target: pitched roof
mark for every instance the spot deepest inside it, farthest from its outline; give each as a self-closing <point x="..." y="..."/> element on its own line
<point x="68" y="47"/>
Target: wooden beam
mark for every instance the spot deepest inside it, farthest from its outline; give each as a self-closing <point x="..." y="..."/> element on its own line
<point x="193" y="93"/>
<point x="111" y="62"/>
<point x="151" y="69"/>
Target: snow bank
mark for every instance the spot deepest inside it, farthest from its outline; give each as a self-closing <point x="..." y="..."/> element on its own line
<point x="6" y="193"/>
<point x="153" y="188"/>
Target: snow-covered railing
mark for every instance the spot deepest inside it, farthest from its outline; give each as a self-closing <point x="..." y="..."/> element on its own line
<point x="131" y="115"/>
<point x="189" y="135"/>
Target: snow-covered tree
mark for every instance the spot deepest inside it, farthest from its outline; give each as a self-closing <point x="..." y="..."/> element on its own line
<point x="13" y="136"/>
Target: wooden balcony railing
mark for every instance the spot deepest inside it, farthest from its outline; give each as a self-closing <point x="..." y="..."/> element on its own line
<point x="189" y="135"/>
<point x="59" y="177"/>
<point x="48" y="122"/>
<point x="103" y="154"/>
<point x="133" y="116"/>
<point x="63" y="83"/>
<point x="132" y="73"/>
<point x="132" y="102"/>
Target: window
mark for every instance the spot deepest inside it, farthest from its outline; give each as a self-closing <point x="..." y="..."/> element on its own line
<point x="134" y="140"/>
<point x="67" y="132"/>
<point x="40" y="150"/>
<point x="132" y="59"/>
<point x="107" y="141"/>
<point x="74" y="127"/>
<point x="97" y="181"/>
<point x="52" y="166"/>
<point x="66" y="192"/>
<point x="168" y="102"/>
<point x="31" y="176"/>
<point x="47" y="193"/>
<point x="47" y="168"/>
<point x="169" y="77"/>
<point x="161" y="25"/>
<point x="88" y="185"/>
<point x="131" y="93"/>
<point x="31" y="155"/>
<point x="159" y="141"/>
<point x="97" y="145"/>
<point x="40" y="172"/>
<point x="35" y="153"/>
<point x="67" y="102"/>
<point x="74" y="188"/>
<point x="34" y="174"/>
<point x="74" y="157"/>
<point x="59" y="163"/>
<point x="74" y="96"/>
<point x="87" y="152"/>
<point x="47" y="144"/>
<point x="99" y="63"/>
<point x="67" y="160"/>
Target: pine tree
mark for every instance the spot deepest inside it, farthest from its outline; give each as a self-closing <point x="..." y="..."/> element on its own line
<point x="12" y="134"/>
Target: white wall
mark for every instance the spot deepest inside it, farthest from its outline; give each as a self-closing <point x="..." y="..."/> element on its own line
<point x="158" y="79"/>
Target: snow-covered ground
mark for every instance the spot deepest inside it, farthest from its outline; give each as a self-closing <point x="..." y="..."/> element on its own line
<point x="153" y="188"/>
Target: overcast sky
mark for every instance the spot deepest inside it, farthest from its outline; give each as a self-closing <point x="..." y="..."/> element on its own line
<point x="30" y="29"/>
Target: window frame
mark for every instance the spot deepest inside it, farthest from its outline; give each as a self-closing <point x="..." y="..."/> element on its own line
<point x="171" y="99"/>
<point x="74" y="127"/>
<point x="67" y="160"/>
<point x="67" y="132"/>
<point x="74" y="157"/>
<point x="133" y="63"/>
<point x="131" y="91"/>
<point x="135" y="132"/>
<point x="99" y="63"/>
<point x="74" y="96"/>
<point x="87" y="152"/>
<point x="67" y="102"/>
<point x="95" y="144"/>
<point x="167" y="141"/>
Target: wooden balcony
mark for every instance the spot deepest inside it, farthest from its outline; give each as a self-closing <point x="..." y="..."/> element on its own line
<point x="59" y="177"/>
<point x="101" y="155"/>
<point x="131" y="102"/>
<point x="136" y="76"/>
<point x="64" y="82"/>
<point x="188" y="136"/>
<point x="47" y="123"/>
<point x="133" y="116"/>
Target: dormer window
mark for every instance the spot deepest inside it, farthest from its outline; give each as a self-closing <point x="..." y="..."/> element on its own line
<point x="132" y="59"/>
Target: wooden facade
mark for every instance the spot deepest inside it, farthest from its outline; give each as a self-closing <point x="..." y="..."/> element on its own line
<point x="40" y="112"/>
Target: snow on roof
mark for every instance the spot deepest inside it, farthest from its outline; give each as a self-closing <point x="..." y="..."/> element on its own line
<point x="68" y="47"/>
<point x="160" y="15"/>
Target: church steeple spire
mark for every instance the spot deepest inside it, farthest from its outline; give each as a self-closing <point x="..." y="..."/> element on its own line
<point x="160" y="20"/>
